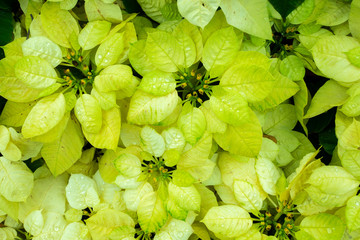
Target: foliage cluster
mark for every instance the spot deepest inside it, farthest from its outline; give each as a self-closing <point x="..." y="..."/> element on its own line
<point x="187" y="119"/>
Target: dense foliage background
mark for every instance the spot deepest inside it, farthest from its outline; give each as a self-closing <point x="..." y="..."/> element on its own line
<point x="187" y="119"/>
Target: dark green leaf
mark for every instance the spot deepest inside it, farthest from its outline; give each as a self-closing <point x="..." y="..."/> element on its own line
<point x="132" y="6"/>
<point x="328" y="140"/>
<point x="285" y="7"/>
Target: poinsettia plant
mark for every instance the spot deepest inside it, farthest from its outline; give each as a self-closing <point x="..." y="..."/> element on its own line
<point x="179" y="120"/>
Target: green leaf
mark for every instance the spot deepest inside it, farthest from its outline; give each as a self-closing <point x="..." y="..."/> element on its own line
<point x="164" y="51"/>
<point x="107" y="168"/>
<point x="285" y="7"/>
<point x="55" y="133"/>
<point x="128" y="165"/>
<point x="292" y="67"/>
<point x="354" y="56"/>
<point x="220" y="50"/>
<point x="105" y="221"/>
<point x="47" y="194"/>
<point x="17" y="180"/>
<point x="58" y="24"/>
<point x="194" y="33"/>
<point x="76" y="230"/>
<point x="254" y="83"/>
<point x="198" y="12"/>
<point x="158" y="83"/>
<point x="14" y="114"/>
<point x="152" y="8"/>
<point x="229" y="107"/>
<point x="195" y="160"/>
<point x="100" y="10"/>
<point x="333" y="180"/>
<point x="65" y="151"/>
<point x="138" y="58"/>
<point x="35" y="72"/>
<point x="188" y="47"/>
<point x="109" y="134"/>
<point x="152" y="142"/>
<point x="349" y="138"/>
<point x="109" y="51"/>
<point x="300" y="102"/>
<point x="192" y="123"/>
<point x="45" y="115"/>
<point x="114" y="78"/>
<point x="149" y="109"/>
<point x="330" y="57"/>
<point x="213" y="123"/>
<point x="354" y="18"/>
<point x="323" y="226"/>
<point x="324" y="98"/>
<point x="107" y="100"/>
<point x="9" y="207"/>
<point x="27" y="148"/>
<point x="182" y="178"/>
<point x="34" y="222"/>
<point x="44" y="48"/>
<point x="93" y="33"/>
<point x="283" y="89"/>
<point x="350" y="160"/>
<point x="248" y="196"/>
<point x="132" y="197"/>
<point x="88" y="112"/>
<point x="187" y="198"/>
<point x="177" y="230"/>
<point x="151" y="212"/>
<point x="52" y="221"/>
<point x="4" y="137"/>
<point x="81" y="192"/>
<point x="300" y="13"/>
<point x="228" y="220"/>
<point x="334" y="13"/>
<point x="248" y="16"/>
<point x="174" y="139"/>
<point x="352" y="213"/>
<point x="268" y="175"/>
<point x="244" y="139"/>
<point x="282" y="117"/>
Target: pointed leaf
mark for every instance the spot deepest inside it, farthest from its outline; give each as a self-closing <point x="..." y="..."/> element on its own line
<point x="105" y="221"/>
<point x="321" y="102"/>
<point x="192" y="123"/>
<point x="149" y="109"/>
<point x="88" y="112"/>
<point x="248" y="16"/>
<point x="93" y="33"/>
<point x="108" y="136"/>
<point x="198" y="12"/>
<point x="45" y="115"/>
<point x="164" y="52"/>
<point x="152" y="142"/>
<point x="330" y="57"/>
<point x="254" y="83"/>
<point x="44" y="48"/>
<point x="17" y="180"/>
<point x="228" y="220"/>
<point x="109" y="51"/>
<point x="323" y="226"/>
<point x="35" y="72"/>
<point x="151" y="212"/>
<point x="248" y="196"/>
<point x="64" y="152"/>
<point x="220" y="50"/>
<point x="244" y="139"/>
<point x="58" y="23"/>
